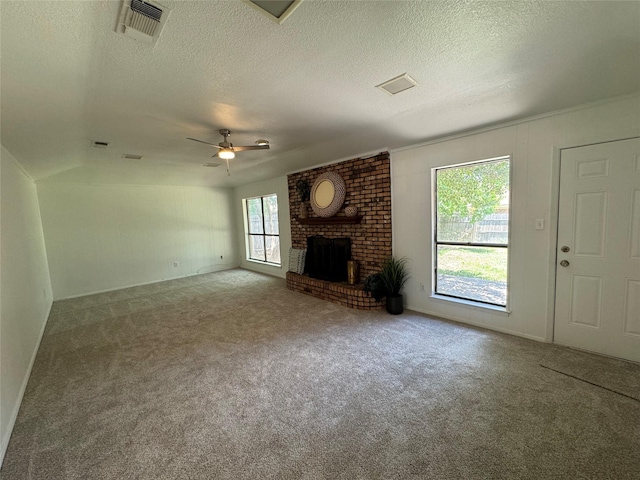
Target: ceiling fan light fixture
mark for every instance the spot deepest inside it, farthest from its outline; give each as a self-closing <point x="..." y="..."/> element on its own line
<point x="226" y="154"/>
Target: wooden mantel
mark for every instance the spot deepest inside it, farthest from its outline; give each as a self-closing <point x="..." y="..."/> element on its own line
<point x="330" y="220"/>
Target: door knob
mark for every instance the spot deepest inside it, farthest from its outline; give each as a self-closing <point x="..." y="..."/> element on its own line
<point x="564" y="263"/>
<point x="565" y="249"/>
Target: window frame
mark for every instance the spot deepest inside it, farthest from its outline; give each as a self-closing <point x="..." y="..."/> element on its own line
<point x="264" y="235"/>
<point x="435" y="243"/>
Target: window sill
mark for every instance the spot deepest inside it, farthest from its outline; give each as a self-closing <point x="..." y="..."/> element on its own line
<point x="268" y="264"/>
<point x="471" y="304"/>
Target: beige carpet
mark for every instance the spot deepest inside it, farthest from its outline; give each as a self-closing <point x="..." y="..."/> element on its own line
<point x="232" y="376"/>
<point x="616" y="375"/>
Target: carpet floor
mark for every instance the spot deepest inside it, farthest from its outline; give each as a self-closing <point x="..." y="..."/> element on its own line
<point x="616" y="375"/>
<point x="232" y="376"/>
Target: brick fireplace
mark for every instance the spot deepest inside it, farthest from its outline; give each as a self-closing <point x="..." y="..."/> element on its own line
<point x="368" y="188"/>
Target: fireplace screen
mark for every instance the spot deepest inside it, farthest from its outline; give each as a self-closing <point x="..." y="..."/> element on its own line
<point x="327" y="258"/>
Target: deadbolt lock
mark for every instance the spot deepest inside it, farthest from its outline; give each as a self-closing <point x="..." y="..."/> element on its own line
<point x="565" y="249"/>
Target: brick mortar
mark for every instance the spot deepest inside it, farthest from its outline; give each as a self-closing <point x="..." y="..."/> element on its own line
<point x="352" y="296"/>
<point x="368" y="187"/>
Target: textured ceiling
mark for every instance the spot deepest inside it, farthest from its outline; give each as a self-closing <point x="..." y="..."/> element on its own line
<point x="306" y="85"/>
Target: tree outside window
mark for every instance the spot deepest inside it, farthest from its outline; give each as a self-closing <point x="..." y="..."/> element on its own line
<point x="263" y="240"/>
<point x="471" y="237"/>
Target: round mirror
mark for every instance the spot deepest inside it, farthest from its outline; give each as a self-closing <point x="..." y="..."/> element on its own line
<point x="327" y="194"/>
<point x="324" y="193"/>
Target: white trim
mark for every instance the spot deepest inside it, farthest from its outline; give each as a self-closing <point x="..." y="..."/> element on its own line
<point x="49" y="181"/>
<point x="215" y="269"/>
<point x="357" y="156"/>
<point x="476" y="324"/>
<point x="434" y="244"/>
<point x="497" y="126"/>
<point x="471" y="304"/>
<point x="631" y="136"/>
<point x="553" y="242"/>
<point x="499" y="158"/>
<point x="245" y="222"/>
<point x="268" y="264"/>
<point x="393" y="213"/>
<point x="554" y="217"/>
<point x="16" y="407"/>
<point x="245" y="219"/>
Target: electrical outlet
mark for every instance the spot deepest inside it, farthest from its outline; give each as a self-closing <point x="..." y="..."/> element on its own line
<point x="175" y="264"/>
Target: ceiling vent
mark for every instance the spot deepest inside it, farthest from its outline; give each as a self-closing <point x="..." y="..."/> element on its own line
<point x="131" y="156"/>
<point x="142" y="20"/>
<point x="98" y="144"/>
<point x="398" y="84"/>
<point x="276" y="10"/>
<point x="211" y="164"/>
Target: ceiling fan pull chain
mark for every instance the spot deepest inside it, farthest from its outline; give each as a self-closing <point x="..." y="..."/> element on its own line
<point x="228" y="173"/>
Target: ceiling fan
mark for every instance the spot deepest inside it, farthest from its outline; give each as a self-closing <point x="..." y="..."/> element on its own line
<point x="227" y="151"/>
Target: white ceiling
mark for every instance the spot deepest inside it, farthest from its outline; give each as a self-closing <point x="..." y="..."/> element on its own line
<point x="306" y="85"/>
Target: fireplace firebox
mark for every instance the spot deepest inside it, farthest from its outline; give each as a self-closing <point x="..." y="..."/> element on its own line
<point x="327" y="258"/>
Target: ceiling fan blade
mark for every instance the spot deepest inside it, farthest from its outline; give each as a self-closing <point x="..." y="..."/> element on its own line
<point x="202" y="141"/>
<point x="250" y="147"/>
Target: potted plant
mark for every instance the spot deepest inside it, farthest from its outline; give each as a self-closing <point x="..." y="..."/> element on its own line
<point x="388" y="283"/>
<point x="374" y="287"/>
<point x="394" y="274"/>
<point x="305" y="192"/>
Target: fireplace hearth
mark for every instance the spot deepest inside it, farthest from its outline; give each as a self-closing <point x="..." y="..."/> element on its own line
<point x="327" y="258"/>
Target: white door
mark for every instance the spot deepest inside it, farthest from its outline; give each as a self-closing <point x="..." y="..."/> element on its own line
<point x="598" y="258"/>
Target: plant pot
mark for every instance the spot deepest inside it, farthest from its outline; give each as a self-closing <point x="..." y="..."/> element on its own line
<point x="394" y="304"/>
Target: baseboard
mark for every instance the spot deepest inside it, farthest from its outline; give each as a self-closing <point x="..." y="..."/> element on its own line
<point x="479" y="324"/>
<point x="94" y="292"/>
<point x="16" y="408"/>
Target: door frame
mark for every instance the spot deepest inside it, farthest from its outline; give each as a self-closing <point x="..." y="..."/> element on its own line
<point x="554" y="217"/>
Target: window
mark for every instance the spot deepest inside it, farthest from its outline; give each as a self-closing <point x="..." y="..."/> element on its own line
<point x="263" y="241"/>
<point x="471" y="231"/>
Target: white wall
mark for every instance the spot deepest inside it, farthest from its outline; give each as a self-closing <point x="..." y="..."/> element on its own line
<point x="534" y="145"/>
<point x="25" y="294"/>
<point x="105" y="237"/>
<point x="280" y="187"/>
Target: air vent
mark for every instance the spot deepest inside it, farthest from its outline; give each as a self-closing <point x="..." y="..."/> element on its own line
<point x="142" y="20"/>
<point x="147" y="10"/>
<point x="98" y="144"/>
<point x="131" y="156"/>
<point x="398" y="84"/>
<point x="211" y="164"/>
<point x="276" y="10"/>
